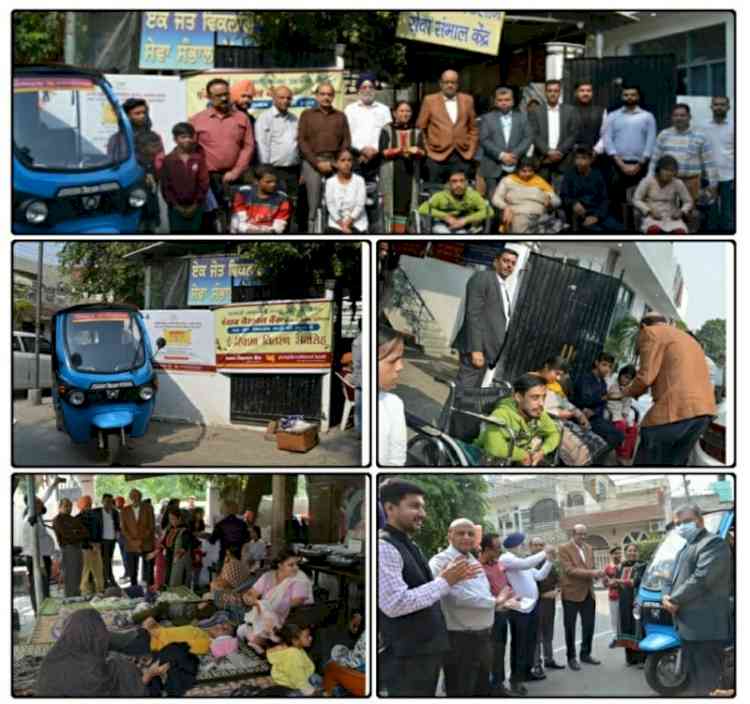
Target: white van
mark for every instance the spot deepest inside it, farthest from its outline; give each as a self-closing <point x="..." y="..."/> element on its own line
<point x="24" y="361"/>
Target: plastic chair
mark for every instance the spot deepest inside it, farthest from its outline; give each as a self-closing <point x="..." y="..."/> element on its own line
<point x="349" y="398"/>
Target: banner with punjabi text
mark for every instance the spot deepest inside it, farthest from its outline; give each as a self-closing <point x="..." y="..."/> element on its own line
<point x="471" y="31"/>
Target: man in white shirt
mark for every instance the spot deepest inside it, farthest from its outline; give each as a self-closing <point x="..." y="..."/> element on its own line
<point x="720" y="133"/>
<point x="109" y="519"/>
<point x="34" y="529"/>
<point x="469" y="610"/>
<point x="554" y="127"/>
<point x="276" y="137"/>
<point x="366" y="117"/>
<point x="523" y="573"/>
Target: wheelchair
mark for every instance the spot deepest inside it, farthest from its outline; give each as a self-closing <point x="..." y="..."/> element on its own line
<point x="447" y="442"/>
<point x="373" y="207"/>
<point x="422" y="224"/>
<point x="230" y="193"/>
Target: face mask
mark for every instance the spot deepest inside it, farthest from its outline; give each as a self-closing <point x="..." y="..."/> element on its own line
<point x="687" y="530"/>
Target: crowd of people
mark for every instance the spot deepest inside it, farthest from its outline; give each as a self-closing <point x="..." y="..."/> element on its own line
<point x="459" y="612"/>
<point x="552" y="166"/>
<point x="549" y="417"/>
<point x="244" y="595"/>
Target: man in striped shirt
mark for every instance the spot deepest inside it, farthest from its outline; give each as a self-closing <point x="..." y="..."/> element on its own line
<point x="693" y="152"/>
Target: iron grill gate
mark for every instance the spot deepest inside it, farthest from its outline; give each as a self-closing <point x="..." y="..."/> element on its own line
<point x="258" y="398"/>
<point x="561" y="309"/>
<point x="655" y="75"/>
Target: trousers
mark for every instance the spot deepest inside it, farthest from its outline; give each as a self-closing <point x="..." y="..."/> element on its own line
<point x="587" y="610"/>
<point x="468" y="664"/>
<point x="670" y="444"/>
<point x="409" y="676"/>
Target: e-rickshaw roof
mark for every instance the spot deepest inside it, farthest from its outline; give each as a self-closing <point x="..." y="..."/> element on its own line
<point x="99" y="307"/>
<point x="62" y="69"/>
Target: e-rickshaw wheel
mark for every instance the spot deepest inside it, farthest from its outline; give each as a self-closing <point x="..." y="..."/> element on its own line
<point x="661" y="675"/>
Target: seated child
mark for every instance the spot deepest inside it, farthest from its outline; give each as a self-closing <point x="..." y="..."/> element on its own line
<point x="198" y="639"/>
<point x="619" y="409"/>
<point x="291" y="666"/>
<point x="261" y="208"/>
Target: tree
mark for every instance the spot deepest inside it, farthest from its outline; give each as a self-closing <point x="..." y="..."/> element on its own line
<point x="38" y="37"/>
<point x="99" y="269"/>
<point x="448" y="497"/>
<point x="713" y="336"/>
<point x="156" y="488"/>
<point x="23" y="311"/>
<point x="622" y="339"/>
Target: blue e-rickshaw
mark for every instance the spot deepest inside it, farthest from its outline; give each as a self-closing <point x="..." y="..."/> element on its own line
<point x="660" y="640"/>
<point x="74" y="161"/>
<point x="105" y="384"/>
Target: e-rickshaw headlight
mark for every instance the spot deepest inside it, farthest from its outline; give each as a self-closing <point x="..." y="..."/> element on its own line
<point x="637" y="611"/>
<point x="76" y="398"/>
<point x="137" y="198"/>
<point x="146" y="393"/>
<point x="36" y="212"/>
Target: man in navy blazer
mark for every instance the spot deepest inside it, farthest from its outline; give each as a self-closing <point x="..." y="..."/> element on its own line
<point x="504" y="137"/>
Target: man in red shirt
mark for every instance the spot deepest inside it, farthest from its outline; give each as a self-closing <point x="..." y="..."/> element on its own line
<point x="489" y="552"/>
<point x="226" y="135"/>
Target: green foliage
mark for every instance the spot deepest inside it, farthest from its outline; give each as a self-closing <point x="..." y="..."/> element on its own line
<point x="98" y="268"/>
<point x="309" y="263"/>
<point x="713" y="337"/>
<point x="368" y="35"/>
<point x="622" y="339"/>
<point x="647" y="548"/>
<point x="38" y="37"/>
<point x="448" y="497"/>
<point x="156" y="488"/>
<point x="23" y="311"/>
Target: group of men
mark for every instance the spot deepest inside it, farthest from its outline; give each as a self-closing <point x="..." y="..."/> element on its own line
<point x="453" y="612"/>
<point x="672" y="365"/>
<point x="580" y="147"/>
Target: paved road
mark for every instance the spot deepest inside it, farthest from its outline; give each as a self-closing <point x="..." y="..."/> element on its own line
<point x="36" y="442"/>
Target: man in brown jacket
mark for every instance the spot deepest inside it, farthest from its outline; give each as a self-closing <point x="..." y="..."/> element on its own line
<point x="673" y="365"/>
<point x="577" y="587"/>
<point x="450" y="127"/>
<point x="137" y="525"/>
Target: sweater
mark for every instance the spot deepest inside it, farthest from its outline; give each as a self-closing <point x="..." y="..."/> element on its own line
<point x="291" y="667"/>
<point x="473" y="207"/>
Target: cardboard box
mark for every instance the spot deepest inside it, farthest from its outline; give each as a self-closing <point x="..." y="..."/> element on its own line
<point x="297" y="442"/>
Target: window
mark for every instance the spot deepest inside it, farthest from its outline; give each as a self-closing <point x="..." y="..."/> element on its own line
<point x="575" y="500"/>
<point x="601" y="490"/>
<point x="701" y="58"/>
<point x="635" y="536"/>
<point x="16" y="344"/>
<point x="44" y="346"/>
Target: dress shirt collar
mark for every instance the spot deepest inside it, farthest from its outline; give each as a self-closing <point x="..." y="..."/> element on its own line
<point x="213" y="112"/>
<point x="553" y="109"/>
<point x="450" y="100"/>
<point x="638" y="109"/>
<point x="277" y="113"/>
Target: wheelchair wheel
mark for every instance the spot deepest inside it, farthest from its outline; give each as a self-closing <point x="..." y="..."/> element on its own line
<point x="425" y="451"/>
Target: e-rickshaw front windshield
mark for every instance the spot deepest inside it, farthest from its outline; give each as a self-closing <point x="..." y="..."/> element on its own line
<point x="65" y="123"/>
<point x="662" y="563"/>
<point x="104" y="342"/>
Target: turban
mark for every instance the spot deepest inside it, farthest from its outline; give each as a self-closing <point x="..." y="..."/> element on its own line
<point x="367" y="76"/>
<point x="513" y="540"/>
<point x="239" y="87"/>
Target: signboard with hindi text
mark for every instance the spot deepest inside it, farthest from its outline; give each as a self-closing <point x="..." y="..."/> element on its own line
<point x="185" y="40"/>
<point x="275" y="335"/>
<point x="472" y="31"/>
<point x="301" y="83"/>
<point x="212" y="279"/>
<point x="189" y="335"/>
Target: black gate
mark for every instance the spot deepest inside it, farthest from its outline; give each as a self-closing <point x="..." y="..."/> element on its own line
<point x="655" y="75"/>
<point x="258" y="398"/>
<point x="561" y="309"/>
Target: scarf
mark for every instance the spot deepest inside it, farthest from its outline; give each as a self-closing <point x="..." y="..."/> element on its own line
<point x="277" y="598"/>
<point x="534" y="182"/>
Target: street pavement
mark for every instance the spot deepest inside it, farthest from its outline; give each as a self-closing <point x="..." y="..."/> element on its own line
<point x="37" y="442"/>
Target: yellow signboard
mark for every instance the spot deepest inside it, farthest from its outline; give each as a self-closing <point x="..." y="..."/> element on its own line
<point x="288" y="334"/>
<point x="301" y="83"/>
<point x="471" y="31"/>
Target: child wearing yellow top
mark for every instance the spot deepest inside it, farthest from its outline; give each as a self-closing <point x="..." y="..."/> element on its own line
<point x="291" y="666"/>
<point x="198" y="639"/>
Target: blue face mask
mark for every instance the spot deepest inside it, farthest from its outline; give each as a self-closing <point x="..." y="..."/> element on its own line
<point x="687" y="530"/>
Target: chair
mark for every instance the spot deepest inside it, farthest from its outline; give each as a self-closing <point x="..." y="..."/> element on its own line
<point x="349" y="399"/>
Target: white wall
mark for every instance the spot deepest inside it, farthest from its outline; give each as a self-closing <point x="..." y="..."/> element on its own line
<point x="193" y="397"/>
<point x="617" y="41"/>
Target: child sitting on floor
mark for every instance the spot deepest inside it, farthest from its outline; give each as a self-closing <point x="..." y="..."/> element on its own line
<point x="199" y="639"/>
<point x="291" y="666"/>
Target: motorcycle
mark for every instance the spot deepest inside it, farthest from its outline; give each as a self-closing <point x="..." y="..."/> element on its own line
<point x="104" y="382"/>
<point x="664" y="669"/>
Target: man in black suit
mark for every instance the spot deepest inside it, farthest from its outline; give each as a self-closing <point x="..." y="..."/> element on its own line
<point x="108" y="518"/>
<point x="487" y="313"/>
<point x="554" y="128"/>
<point x="698" y="599"/>
<point x="504" y="137"/>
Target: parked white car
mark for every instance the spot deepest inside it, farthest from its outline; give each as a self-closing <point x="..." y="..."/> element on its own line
<point x="24" y="361"/>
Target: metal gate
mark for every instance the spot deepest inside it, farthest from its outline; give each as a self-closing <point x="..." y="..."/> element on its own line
<point x="655" y="75"/>
<point x="561" y="309"/>
<point x="258" y="398"/>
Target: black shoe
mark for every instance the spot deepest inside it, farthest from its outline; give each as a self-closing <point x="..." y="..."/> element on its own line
<point x="552" y="665"/>
<point x="589" y="660"/>
<point x="573" y="664"/>
<point x="518" y="689"/>
<point x="535" y="674"/>
<point x="502" y="691"/>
